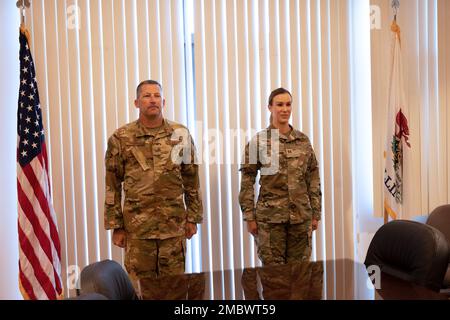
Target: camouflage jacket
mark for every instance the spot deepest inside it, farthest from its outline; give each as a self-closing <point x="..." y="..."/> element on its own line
<point x="161" y="189"/>
<point x="289" y="179"/>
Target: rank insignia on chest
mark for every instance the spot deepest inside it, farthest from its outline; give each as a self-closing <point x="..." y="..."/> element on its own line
<point x="293" y="153"/>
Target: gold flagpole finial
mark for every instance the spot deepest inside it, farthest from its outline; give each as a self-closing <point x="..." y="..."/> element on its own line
<point x="395" y="27"/>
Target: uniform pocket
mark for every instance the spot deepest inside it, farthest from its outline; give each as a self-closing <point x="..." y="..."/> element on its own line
<point x="133" y="205"/>
<point x="130" y="180"/>
<point x="140" y="158"/>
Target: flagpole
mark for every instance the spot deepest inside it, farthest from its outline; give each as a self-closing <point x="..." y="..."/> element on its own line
<point x="397" y="130"/>
<point x="22" y="4"/>
<point x="395" y="4"/>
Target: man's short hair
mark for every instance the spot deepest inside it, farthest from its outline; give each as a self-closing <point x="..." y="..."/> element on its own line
<point x="277" y="92"/>
<point x="138" y="89"/>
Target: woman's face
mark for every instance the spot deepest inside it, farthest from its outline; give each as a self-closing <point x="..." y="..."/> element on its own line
<point x="281" y="109"/>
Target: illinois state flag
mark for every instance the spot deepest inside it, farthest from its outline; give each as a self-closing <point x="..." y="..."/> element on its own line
<point x="39" y="245"/>
<point x="397" y="132"/>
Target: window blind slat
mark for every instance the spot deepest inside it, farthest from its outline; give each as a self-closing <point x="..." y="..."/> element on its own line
<point x="98" y="101"/>
<point x="348" y="237"/>
<point x="443" y="10"/>
<point x="224" y="168"/>
<point x="143" y="37"/>
<point x="434" y="142"/>
<point x="178" y="64"/>
<point x="235" y="137"/>
<point x="295" y="53"/>
<point x="69" y="209"/>
<point x="77" y="159"/>
<point x="155" y="39"/>
<point x="305" y="46"/>
<point x="108" y="57"/>
<point x="193" y="261"/>
<point x="88" y="125"/>
<point x="212" y="74"/>
<point x="325" y="234"/>
<point x="264" y="60"/>
<point x="54" y="137"/>
<point x="244" y="105"/>
<point x="333" y="214"/>
<point x="274" y="43"/>
<point x="284" y="36"/>
<point x="325" y="124"/>
<point x="120" y="49"/>
<point x="167" y="51"/>
<point x="201" y="110"/>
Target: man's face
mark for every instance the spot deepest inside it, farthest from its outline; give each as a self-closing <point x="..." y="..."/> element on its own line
<point x="150" y="101"/>
<point x="281" y="109"/>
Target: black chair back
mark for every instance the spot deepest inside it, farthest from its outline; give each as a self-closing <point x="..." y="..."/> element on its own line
<point x="440" y="219"/>
<point x="411" y="251"/>
<point x="107" y="278"/>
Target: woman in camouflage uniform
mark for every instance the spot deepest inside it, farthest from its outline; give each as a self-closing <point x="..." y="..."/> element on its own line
<point x="288" y="208"/>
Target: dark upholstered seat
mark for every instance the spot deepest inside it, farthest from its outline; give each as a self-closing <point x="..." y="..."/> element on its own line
<point x="411" y="251"/>
<point x="440" y="219"/>
<point x="107" y="278"/>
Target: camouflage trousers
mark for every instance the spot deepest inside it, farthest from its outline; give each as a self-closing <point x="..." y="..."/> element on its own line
<point x="280" y="243"/>
<point x="176" y="287"/>
<point x="151" y="258"/>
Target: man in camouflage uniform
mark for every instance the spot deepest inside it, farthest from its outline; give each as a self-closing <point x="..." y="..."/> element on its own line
<point x="153" y="159"/>
<point x="289" y="202"/>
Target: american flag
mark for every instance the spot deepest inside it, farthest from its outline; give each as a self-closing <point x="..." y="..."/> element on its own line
<point x="40" y="251"/>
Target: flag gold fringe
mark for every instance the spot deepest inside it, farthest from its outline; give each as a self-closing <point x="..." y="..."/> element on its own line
<point x="396" y="29"/>
<point x="22" y="291"/>
<point x="388" y="209"/>
<point x="26" y="33"/>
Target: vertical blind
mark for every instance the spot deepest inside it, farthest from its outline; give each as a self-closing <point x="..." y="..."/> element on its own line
<point x="216" y="81"/>
<point x="243" y="50"/>
<point x="425" y="50"/>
